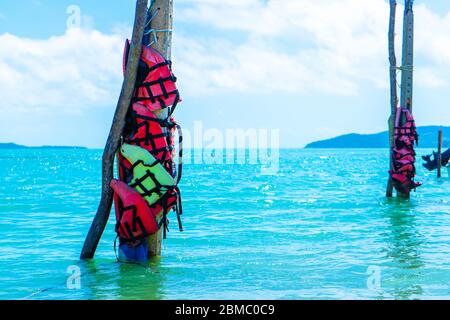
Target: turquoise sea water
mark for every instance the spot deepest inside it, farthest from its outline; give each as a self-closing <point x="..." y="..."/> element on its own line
<point x="320" y="228"/>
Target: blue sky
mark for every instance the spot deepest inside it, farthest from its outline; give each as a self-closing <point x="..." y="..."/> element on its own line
<point x="312" y="69"/>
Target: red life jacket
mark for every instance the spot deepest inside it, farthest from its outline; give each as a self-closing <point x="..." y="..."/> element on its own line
<point x="124" y="168"/>
<point x="155" y="89"/>
<point x="135" y="219"/>
<point x="403" y="154"/>
<point x="404" y="160"/>
<point x="402" y="183"/>
<point x="155" y="84"/>
<point x="405" y="134"/>
<point x="146" y="131"/>
<point x="171" y="200"/>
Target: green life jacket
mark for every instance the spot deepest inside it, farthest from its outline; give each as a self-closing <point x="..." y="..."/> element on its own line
<point x="150" y="178"/>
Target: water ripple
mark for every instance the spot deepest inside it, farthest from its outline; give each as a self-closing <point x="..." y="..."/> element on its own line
<point x="311" y="231"/>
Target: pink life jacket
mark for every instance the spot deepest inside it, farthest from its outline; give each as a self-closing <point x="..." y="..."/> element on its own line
<point x="403" y="154"/>
<point x="405" y="134"/>
<point x="155" y="84"/>
<point x="135" y="219"/>
<point x="403" y="160"/>
<point x="155" y="89"/>
<point x="145" y="130"/>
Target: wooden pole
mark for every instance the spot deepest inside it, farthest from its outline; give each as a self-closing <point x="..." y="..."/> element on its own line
<point x="439" y="154"/>
<point x="162" y="24"/>
<point x="394" y="96"/>
<point x="406" y="92"/>
<point x="113" y="141"/>
<point x="406" y="95"/>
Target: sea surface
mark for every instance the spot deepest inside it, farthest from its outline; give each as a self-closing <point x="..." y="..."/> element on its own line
<point x="318" y="228"/>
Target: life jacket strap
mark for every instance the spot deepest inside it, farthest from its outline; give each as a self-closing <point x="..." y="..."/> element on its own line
<point x="159" y="65"/>
<point x="180" y="153"/>
<point x="148" y="88"/>
<point x="166" y="204"/>
<point x="174" y="105"/>
<point x="178" y="208"/>
<point x="146" y="192"/>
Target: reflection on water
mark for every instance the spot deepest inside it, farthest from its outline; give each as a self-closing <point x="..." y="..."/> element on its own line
<point x="135" y="283"/>
<point x="403" y="248"/>
<point x="122" y="281"/>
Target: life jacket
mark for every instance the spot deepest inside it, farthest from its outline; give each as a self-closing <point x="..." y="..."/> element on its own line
<point x="405" y="133"/>
<point x="134" y="218"/>
<point x="170" y="200"/>
<point x="404" y="160"/>
<point x="150" y="178"/>
<point x="403" y="183"/>
<point x="155" y="83"/>
<point x="403" y="154"/>
<point x="155" y="135"/>
<point x="146" y="132"/>
<point x="124" y="168"/>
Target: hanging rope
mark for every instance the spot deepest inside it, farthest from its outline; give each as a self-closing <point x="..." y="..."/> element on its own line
<point x="400" y="69"/>
<point x="150" y="31"/>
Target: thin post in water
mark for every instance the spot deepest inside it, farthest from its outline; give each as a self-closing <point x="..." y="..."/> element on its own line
<point x="112" y="144"/>
<point x="161" y="25"/>
<point x="439" y="154"/>
<point x="393" y="85"/>
<point x="406" y="92"/>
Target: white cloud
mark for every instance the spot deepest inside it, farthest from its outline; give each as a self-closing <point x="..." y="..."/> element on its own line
<point x="212" y="65"/>
<point x="433" y="39"/>
<point x="74" y="72"/>
<point x="294" y="46"/>
<point x="429" y="78"/>
<point x="302" y="45"/>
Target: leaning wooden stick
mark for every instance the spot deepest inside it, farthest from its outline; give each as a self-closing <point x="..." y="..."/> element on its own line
<point x="394" y="97"/>
<point x="113" y="142"/>
<point x="161" y="24"/>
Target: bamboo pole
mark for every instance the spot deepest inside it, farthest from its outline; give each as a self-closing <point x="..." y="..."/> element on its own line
<point x="162" y="23"/>
<point x="406" y="92"/>
<point x="394" y="96"/>
<point x="113" y="141"/>
<point x="406" y="95"/>
<point x="439" y="154"/>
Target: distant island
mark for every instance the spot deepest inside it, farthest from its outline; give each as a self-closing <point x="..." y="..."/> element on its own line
<point x="18" y="146"/>
<point x="427" y="139"/>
